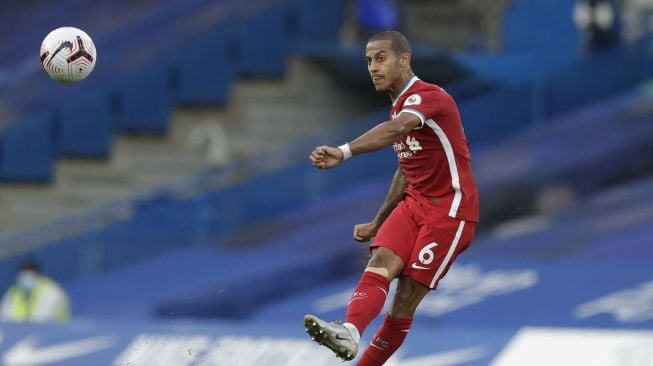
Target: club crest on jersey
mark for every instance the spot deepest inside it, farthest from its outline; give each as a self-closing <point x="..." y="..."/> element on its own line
<point x="414" y="99"/>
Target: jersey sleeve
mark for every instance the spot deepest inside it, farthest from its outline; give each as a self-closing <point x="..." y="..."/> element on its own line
<point x="422" y="104"/>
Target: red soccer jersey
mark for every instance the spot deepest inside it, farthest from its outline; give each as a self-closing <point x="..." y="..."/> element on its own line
<point x="435" y="157"/>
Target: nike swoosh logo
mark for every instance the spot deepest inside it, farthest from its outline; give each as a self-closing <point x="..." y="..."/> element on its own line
<point x="340" y="338"/>
<point x="419" y="267"/>
<point x="63" y="45"/>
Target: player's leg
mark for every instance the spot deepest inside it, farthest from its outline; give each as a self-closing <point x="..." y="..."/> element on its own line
<point x="393" y="244"/>
<point x="366" y="303"/>
<point x="439" y="242"/>
<point x="397" y="323"/>
<point x="369" y="296"/>
<point x="391" y="249"/>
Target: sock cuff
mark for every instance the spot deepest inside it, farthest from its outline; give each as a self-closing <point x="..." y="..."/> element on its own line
<point x="355" y="333"/>
<point x="375" y="279"/>
<point x="398" y="323"/>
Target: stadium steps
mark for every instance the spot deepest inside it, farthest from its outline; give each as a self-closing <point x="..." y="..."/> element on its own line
<point x="262" y="114"/>
<point x="267" y="114"/>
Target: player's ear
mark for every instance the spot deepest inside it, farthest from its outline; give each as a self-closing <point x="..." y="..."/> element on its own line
<point x="405" y="59"/>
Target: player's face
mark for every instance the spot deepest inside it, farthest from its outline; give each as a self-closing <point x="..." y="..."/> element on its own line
<point x="383" y="64"/>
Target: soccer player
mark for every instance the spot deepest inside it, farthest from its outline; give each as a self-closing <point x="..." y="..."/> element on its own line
<point x="428" y="216"/>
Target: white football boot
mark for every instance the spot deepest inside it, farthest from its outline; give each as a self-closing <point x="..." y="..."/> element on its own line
<point x="334" y="336"/>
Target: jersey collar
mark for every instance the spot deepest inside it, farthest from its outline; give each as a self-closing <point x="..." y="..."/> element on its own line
<point x="406" y="87"/>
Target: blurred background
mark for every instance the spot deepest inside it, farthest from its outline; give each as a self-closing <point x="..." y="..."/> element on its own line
<point x="163" y="211"/>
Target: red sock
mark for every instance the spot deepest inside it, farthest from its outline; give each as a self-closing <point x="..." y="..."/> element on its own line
<point x="367" y="300"/>
<point x="386" y="341"/>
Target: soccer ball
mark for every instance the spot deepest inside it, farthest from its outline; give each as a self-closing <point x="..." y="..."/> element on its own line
<point x="68" y="54"/>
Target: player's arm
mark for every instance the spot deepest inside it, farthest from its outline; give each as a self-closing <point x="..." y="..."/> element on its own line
<point x="382" y="135"/>
<point x="365" y="232"/>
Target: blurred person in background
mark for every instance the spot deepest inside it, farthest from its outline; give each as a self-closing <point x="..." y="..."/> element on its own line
<point x="376" y="15"/>
<point x="429" y="214"/>
<point x="598" y="22"/>
<point x="34" y="297"/>
<point x="367" y="17"/>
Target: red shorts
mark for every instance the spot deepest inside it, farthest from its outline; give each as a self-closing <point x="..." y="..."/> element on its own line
<point x="427" y="240"/>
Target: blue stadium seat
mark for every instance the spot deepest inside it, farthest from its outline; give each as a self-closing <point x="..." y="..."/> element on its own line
<point x="27" y="150"/>
<point x="263" y="43"/>
<point x="85" y="126"/>
<point x="143" y="101"/>
<point x="204" y="68"/>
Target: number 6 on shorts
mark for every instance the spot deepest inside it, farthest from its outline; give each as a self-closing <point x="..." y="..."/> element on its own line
<point x="426" y="255"/>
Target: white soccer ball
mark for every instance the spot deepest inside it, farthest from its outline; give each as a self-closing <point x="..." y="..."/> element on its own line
<point x="68" y="54"/>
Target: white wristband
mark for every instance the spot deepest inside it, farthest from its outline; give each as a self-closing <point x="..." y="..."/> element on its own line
<point x="346" y="151"/>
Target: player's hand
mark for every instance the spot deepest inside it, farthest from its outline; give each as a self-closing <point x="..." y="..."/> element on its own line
<point x="326" y="157"/>
<point x="365" y="232"/>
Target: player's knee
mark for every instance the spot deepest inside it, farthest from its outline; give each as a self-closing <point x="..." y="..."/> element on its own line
<point x="385" y="263"/>
<point x="376" y="261"/>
